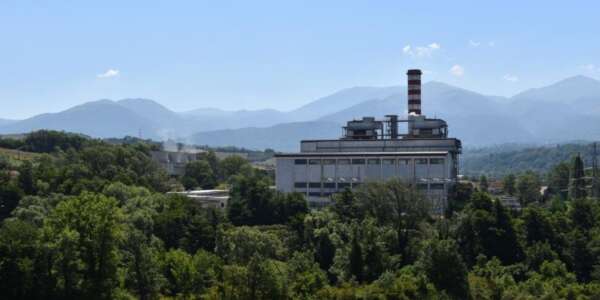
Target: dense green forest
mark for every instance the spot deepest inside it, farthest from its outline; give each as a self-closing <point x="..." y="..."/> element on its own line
<point x="513" y="158"/>
<point x="87" y="219"/>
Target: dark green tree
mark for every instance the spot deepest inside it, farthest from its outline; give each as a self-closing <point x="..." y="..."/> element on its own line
<point x="483" y="183"/>
<point x="199" y="174"/>
<point x="509" y="183"/>
<point x="444" y="266"/>
<point x="26" y="180"/>
<point x="558" y="179"/>
<point x="528" y="188"/>
<point x="577" y="186"/>
<point x="356" y="257"/>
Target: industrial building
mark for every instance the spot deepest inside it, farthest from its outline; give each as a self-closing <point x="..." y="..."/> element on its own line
<point x="375" y="150"/>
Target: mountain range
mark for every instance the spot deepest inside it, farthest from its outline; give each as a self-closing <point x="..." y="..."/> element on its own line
<point x="564" y="111"/>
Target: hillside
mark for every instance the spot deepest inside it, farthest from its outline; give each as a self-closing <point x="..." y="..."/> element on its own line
<point x="282" y="137"/>
<point x="500" y="160"/>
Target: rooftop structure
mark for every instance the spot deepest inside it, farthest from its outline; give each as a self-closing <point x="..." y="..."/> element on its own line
<point x="375" y="150"/>
<point x="207" y="198"/>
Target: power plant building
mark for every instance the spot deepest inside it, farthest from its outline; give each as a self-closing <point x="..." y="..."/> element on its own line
<point x="374" y="150"/>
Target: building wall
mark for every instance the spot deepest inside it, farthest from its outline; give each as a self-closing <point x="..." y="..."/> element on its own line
<point x="320" y="177"/>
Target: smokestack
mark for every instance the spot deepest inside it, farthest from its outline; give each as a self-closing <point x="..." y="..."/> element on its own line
<point x="414" y="91"/>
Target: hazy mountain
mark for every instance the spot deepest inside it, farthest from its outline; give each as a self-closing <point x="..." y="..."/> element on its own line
<point x="342" y="99"/>
<point x="564" y="91"/>
<point x="103" y="118"/>
<point x="215" y="119"/>
<point x="564" y="111"/>
<point x="6" y="122"/>
<point x="281" y="137"/>
<point x="535" y="116"/>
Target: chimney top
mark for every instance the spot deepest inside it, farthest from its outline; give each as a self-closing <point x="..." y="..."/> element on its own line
<point x="414" y="72"/>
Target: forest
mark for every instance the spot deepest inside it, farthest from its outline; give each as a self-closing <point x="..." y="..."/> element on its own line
<point x="86" y="219"/>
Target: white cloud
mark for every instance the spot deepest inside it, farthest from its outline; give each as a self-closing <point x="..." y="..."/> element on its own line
<point x="434" y="46"/>
<point x="511" y="78"/>
<point x="109" y="73"/>
<point x="457" y="70"/>
<point x="421" y="51"/>
<point x="473" y="43"/>
<point x="590" y="68"/>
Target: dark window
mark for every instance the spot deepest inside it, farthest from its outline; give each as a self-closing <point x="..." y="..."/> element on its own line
<point x="329" y="185"/>
<point x="436" y="186"/>
<point x="422" y="186"/>
<point x="343" y="161"/>
<point x="314" y="185"/>
<point x="374" y="161"/>
<point x="388" y="161"/>
<point x="299" y="161"/>
<point x="359" y="161"/>
<point x="329" y="161"/>
<point x="356" y="184"/>
<point x="403" y="161"/>
<point x="343" y="185"/>
<point x="315" y="194"/>
<point x="436" y="161"/>
<point x="421" y="161"/>
<point x="314" y="162"/>
<point x="300" y="185"/>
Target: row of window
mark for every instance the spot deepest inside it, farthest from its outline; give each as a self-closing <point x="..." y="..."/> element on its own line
<point x="370" y="161"/>
<point x="343" y="185"/>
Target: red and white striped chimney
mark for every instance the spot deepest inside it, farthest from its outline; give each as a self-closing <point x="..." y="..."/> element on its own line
<point x="414" y="91"/>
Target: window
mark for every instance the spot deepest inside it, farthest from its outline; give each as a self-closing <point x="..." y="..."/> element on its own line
<point x="329" y="185"/>
<point x="343" y="161"/>
<point x="343" y="185"/>
<point x="388" y="161"/>
<point x="329" y="161"/>
<point x="403" y="161"/>
<point x="315" y="194"/>
<point x="314" y="185"/>
<point x="314" y="161"/>
<point x="422" y="186"/>
<point x="358" y="161"/>
<point x="373" y="161"/>
<point x="356" y="184"/>
<point x="436" y="186"/>
<point x="299" y="161"/>
<point x="300" y="185"/>
<point x="421" y="161"/>
<point x="436" y="161"/>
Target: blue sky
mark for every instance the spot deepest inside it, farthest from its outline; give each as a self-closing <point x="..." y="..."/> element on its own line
<point x="281" y="54"/>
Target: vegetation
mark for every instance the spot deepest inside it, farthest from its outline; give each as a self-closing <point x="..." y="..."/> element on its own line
<point x="90" y="220"/>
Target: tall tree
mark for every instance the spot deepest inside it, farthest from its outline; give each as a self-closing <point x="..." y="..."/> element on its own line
<point x="558" y="179"/>
<point x="577" y="188"/>
<point x="443" y="265"/>
<point x="528" y="188"/>
<point x="483" y="183"/>
<point x="509" y="183"/>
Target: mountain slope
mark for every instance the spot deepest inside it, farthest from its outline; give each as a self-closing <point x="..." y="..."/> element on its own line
<point x="282" y="137"/>
<point x="4" y="122"/>
<point x="564" y="91"/>
<point x="103" y="118"/>
<point x="342" y="99"/>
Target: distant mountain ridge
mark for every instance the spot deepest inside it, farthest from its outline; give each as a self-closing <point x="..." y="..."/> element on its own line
<point x="566" y="110"/>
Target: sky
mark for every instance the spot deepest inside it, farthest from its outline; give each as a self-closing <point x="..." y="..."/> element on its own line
<point x="281" y="54"/>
